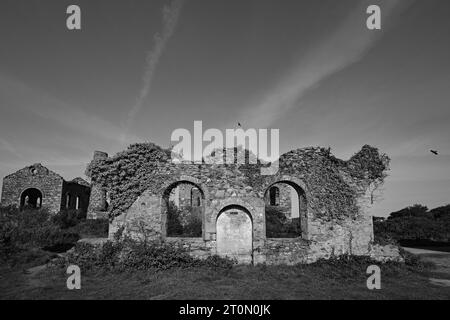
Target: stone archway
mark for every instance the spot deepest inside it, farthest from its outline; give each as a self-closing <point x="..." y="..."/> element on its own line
<point x="183" y="217"/>
<point x="234" y="234"/>
<point x="287" y="216"/>
<point x="31" y="198"/>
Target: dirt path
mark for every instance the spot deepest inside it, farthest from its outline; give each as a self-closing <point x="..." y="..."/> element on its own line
<point x="441" y="276"/>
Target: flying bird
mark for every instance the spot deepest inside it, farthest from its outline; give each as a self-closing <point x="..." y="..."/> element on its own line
<point x="434" y="152"/>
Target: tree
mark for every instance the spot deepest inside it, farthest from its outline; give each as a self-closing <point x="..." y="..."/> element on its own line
<point x="416" y="210"/>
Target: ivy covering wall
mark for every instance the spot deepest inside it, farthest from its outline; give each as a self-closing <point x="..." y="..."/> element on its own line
<point x="333" y="184"/>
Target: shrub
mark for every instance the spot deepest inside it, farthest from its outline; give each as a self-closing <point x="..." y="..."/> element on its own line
<point x="415" y="262"/>
<point x="415" y="223"/>
<point x="97" y="228"/>
<point x="67" y="218"/>
<point x="82" y="254"/>
<point x="28" y="257"/>
<point x="344" y="266"/>
<point x="278" y="226"/>
<point x="193" y="227"/>
<point x="218" y="262"/>
<point x="29" y="228"/>
<point x="348" y="266"/>
<point x="174" y="227"/>
<point x="183" y="223"/>
<point x="128" y="254"/>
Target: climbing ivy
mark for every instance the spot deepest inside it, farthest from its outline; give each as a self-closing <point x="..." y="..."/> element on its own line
<point x="128" y="174"/>
<point x="333" y="184"/>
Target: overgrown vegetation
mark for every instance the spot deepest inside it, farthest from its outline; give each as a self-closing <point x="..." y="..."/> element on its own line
<point x="128" y="173"/>
<point x="127" y="254"/>
<point x="183" y="223"/>
<point x="145" y="165"/>
<point x="414" y="223"/>
<point x="74" y="221"/>
<point x="343" y="278"/>
<point x="332" y="195"/>
<point x="24" y="230"/>
<point x="279" y="226"/>
<point x="28" y="235"/>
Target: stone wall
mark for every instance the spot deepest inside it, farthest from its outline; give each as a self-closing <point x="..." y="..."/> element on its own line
<point x="98" y="205"/>
<point x="228" y="189"/>
<point x="283" y="251"/>
<point x="285" y="199"/>
<point x="36" y="176"/>
<point x="186" y="195"/>
<point x="321" y="238"/>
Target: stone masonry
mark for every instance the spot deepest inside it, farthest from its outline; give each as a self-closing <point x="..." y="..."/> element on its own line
<point x="234" y="221"/>
<point x="37" y="186"/>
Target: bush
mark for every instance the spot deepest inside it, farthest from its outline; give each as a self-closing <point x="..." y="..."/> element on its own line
<point x="28" y="257"/>
<point x="67" y="218"/>
<point x="415" y="262"/>
<point x="347" y="266"/>
<point x="183" y="223"/>
<point x="97" y="228"/>
<point x="29" y="228"/>
<point x="193" y="227"/>
<point x="174" y="227"/>
<point x="217" y="262"/>
<point x="278" y="226"/>
<point x="415" y="223"/>
<point x="128" y="254"/>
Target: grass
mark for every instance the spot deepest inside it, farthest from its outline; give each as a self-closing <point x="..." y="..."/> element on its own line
<point x="317" y="281"/>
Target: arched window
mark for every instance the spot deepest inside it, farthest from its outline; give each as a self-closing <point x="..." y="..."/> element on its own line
<point x="31" y="197"/>
<point x="274" y="195"/>
<point x="286" y="210"/>
<point x="68" y="199"/>
<point x="186" y="219"/>
<point x="77" y="203"/>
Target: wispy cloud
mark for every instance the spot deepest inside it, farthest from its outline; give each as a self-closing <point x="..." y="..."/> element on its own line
<point x="171" y="14"/>
<point x="18" y="95"/>
<point x="7" y="146"/>
<point x="347" y="45"/>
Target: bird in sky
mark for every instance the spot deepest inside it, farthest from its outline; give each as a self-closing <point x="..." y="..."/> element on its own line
<point x="434" y="152"/>
<point x="239" y="125"/>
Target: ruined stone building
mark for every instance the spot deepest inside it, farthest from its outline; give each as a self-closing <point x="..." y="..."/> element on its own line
<point x="36" y="186"/>
<point x="315" y="205"/>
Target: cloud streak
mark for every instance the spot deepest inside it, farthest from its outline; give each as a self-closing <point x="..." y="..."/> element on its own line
<point x="170" y="18"/>
<point x="5" y="145"/>
<point x="347" y="45"/>
<point x="17" y="95"/>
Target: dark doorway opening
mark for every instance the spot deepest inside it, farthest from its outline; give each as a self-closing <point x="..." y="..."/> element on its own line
<point x="31" y="198"/>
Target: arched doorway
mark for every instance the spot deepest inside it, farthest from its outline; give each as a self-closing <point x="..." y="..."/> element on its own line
<point x="234" y="234"/>
<point x="183" y="206"/>
<point x="285" y="210"/>
<point x="31" y="198"/>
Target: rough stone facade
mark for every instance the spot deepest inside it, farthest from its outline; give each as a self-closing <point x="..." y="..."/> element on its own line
<point x="98" y="203"/>
<point x="234" y="221"/>
<point x="37" y="186"/>
<point x="231" y="202"/>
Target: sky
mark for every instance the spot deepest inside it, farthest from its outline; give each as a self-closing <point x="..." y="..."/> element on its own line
<point x="138" y="70"/>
